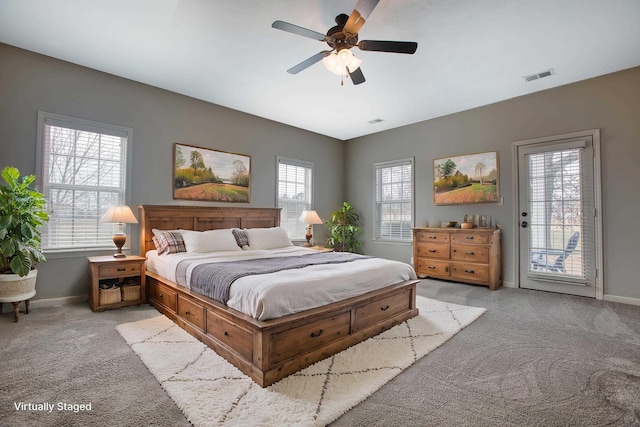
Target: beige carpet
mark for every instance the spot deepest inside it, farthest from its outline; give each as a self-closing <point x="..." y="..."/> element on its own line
<point x="212" y="392"/>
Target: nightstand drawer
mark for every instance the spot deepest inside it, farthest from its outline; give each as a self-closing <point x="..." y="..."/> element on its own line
<point x="120" y="270"/>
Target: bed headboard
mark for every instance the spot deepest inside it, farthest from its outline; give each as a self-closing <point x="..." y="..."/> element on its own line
<point x="201" y="218"/>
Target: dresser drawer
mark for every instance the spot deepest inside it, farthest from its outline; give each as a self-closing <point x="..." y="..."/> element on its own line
<point x="163" y="295"/>
<point x="471" y="272"/>
<point x="427" y="236"/>
<point x="429" y="267"/>
<point x="475" y="238"/>
<point x="231" y="334"/>
<point x="475" y="253"/>
<point x="309" y="337"/>
<point x="432" y="250"/>
<point x="193" y="313"/>
<point x="119" y="270"/>
<point x="382" y="309"/>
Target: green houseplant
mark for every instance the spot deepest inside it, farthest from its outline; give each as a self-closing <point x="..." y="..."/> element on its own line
<point x="344" y="230"/>
<point x="22" y="213"/>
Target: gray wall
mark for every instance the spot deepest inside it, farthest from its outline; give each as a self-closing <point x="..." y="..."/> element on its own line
<point x="611" y="103"/>
<point x="30" y="82"/>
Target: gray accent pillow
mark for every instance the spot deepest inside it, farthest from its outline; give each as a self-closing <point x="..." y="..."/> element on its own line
<point x="241" y="238"/>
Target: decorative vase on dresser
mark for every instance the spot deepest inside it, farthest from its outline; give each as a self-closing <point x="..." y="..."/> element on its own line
<point x="463" y="255"/>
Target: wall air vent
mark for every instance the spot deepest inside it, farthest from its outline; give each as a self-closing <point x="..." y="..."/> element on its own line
<point x="539" y="75"/>
<point x="374" y="121"/>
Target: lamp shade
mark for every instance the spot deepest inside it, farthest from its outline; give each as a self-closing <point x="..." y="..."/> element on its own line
<point x="119" y="214"/>
<point x="338" y="62"/>
<point x="310" y="217"/>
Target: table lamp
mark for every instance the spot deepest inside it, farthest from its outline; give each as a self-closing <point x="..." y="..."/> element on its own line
<point x="120" y="215"/>
<point x="309" y="218"/>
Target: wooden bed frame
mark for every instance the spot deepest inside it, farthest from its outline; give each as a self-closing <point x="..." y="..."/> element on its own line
<point x="266" y="351"/>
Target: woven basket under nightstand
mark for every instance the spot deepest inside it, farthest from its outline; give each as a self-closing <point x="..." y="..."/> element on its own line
<point x="130" y="292"/>
<point x="110" y="296"/>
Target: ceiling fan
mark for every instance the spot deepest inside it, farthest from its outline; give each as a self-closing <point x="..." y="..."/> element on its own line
<point x="341" y="39"/>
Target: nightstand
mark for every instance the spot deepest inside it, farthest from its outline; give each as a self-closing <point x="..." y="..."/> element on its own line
<point x="116" y="282"/>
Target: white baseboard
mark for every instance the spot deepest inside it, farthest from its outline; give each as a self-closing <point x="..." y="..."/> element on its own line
<point x="622" y="300"/>
<point x="46" y="302"/>
<point x="508" y="284"/>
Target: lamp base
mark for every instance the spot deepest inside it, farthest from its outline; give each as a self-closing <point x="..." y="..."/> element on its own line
<point x="119" y="240"/>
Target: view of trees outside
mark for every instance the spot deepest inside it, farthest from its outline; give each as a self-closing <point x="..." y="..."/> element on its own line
<point x="83" y="177"/>
<point x="294" y="197"/>
<point x="204" y="174"/>
<point x="394" y="202"/>
<point x="555" y="206"/>
<point x="466" y="179"/>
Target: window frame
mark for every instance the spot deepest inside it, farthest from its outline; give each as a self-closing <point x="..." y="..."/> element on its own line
<point x="299" y="163"/>
<point x="52" y="119"/>
<point x="388" y="164"/>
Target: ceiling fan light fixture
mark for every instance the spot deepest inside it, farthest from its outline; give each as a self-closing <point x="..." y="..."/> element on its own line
<point x="336" y="62"/>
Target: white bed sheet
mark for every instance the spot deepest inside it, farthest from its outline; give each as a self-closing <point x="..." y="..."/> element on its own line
<point x="273" y="295"/>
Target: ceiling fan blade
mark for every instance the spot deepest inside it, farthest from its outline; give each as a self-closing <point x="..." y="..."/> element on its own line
<point x="360" y="15"/>
<point x="388" y="46"/>
<point x="308" y="62"/>
<point x="356" y="76"/>
<point x="290" y="28"/>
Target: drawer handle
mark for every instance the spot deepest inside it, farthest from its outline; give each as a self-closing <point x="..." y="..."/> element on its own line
<point x="187" y="312"/>
<point x="160" y="296"/>
<point x="226" y="334"/>
<point x="385" y="308"/>
<point x="469" y="253"/>
<point x="432" y="267"/>
<point x="432" y="237"/>
<point x="316" y="335"/>
<point x="469" y="271"/>
<point x="122" y="269"/>
<point x="432" y="250"/>
<point x="469" y="237"/>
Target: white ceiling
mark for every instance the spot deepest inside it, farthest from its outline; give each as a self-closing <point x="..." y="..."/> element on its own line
<point x="470" y="52"/>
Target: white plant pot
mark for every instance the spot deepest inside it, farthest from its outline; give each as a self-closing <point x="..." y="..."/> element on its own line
<point x="14" y="288"/>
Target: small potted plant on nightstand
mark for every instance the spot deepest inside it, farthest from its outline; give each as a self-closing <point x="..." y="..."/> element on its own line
<point x="22" y="213"/>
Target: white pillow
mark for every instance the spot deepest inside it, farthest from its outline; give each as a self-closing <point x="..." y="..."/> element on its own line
<point x="209" y="241"/>
<point x="268" y="238"/>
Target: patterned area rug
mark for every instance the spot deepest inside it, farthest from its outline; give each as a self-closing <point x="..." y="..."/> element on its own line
<point x="212" y="392"/>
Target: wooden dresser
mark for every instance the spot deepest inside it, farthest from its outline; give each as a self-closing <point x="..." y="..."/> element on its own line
<point x="469" y="255"/>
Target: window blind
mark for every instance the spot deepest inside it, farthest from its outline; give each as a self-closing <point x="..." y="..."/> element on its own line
<point x="394" y="200"/>
<point x="294" y="194"/>
<point x="561" y="209"/>
<point x="83" y="174"/>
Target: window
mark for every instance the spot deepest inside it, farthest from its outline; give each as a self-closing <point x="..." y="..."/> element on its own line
<point x="294" y="194"/>
<point x="82" y="172"/>
<point x="394" y="200"/>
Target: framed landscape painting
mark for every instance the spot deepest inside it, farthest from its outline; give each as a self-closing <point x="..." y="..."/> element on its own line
<point x="470" y="178"/>
<point x="210" y="175"/>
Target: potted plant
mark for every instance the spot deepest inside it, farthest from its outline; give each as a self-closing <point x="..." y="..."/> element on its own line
<point x="344" y="229"/>
<point x="22" y="213"/>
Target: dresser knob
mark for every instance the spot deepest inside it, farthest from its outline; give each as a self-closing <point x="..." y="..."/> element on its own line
<point x="316" y="335"/>
<point x="385" y="308"/>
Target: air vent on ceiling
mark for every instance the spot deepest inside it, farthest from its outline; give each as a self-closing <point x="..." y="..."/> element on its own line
<point x="374" y="121"/>
<point x="539" y="75"/>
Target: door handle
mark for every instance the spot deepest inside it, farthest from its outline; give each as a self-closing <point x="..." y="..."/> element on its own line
<point x="524" y="224"/>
